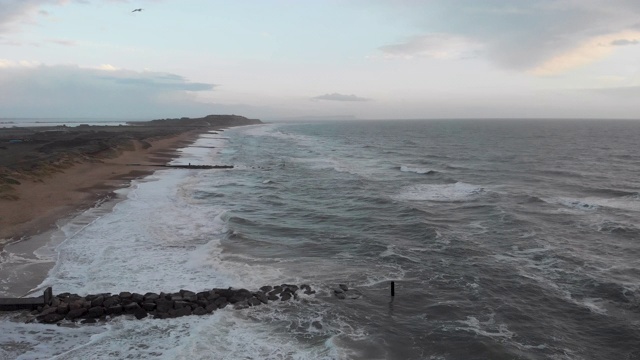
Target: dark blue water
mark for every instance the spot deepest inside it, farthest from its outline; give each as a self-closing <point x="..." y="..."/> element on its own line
<point x="506" y="239"/>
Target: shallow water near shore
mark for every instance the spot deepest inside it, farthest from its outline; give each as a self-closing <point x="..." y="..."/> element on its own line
<point x="506" y="240"/>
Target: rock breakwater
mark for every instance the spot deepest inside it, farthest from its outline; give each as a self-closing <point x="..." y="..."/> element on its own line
<point x="101" y="307"/>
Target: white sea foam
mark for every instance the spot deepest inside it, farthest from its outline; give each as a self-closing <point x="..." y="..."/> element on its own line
<point x="440" y="192"/>
<point x="631" y="203"/>
<point x="484" y="328"/>
<point x="417" y="170"/>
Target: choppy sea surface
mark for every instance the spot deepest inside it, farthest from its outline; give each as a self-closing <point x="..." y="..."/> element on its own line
<point x="505" y="239"/>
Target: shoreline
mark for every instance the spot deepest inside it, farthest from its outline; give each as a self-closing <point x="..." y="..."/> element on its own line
<point x="79" y="187"/>
<point x="26" y="269"/>
<point x="54" y="175"/>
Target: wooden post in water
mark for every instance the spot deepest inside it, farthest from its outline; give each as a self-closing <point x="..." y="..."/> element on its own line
<point x="393" y="288"/>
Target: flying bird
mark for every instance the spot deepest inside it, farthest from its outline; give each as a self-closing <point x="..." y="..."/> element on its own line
<point x="134" y="10"/>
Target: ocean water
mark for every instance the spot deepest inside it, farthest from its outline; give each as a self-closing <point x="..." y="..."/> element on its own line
<point x="505" y="239"/>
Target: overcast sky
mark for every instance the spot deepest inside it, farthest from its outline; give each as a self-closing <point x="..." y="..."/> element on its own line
<point x="295" y="58"/>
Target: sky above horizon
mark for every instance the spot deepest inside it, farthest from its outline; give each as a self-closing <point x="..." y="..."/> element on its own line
<point x="280" y="59"/>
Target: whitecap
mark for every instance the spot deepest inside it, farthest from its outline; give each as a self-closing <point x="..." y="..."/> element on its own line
<point x="440" y="192"/>
<point x="417" y="170"/>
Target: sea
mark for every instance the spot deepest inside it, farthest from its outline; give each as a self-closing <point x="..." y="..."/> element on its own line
<point x="504" y="239"/>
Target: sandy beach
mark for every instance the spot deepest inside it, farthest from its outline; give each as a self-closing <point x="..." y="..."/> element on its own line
<point x="40" y="188"/>
<point x="40" y="203"/>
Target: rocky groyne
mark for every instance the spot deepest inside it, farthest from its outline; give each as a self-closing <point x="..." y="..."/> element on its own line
<point x="101" y="307"/>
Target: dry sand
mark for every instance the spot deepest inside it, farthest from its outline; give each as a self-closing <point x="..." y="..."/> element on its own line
<point x="41" y="203"/>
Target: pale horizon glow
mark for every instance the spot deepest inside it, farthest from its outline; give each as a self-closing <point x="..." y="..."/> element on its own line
<point x="283" y="59"/>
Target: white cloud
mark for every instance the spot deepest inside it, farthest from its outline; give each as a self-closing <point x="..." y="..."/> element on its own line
<point x="435" y="46"/>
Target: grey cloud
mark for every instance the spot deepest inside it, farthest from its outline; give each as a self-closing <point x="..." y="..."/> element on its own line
<point x="623" y="42"/>
<point x="339" y="97"/>
<point x="517" y="34"/>
<point x="162" y="81"/>
<point x="46" y="91"/>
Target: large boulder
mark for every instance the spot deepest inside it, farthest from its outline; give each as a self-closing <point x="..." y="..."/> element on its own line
<point x="76" y="313"/>
<point x="95" y="312"/>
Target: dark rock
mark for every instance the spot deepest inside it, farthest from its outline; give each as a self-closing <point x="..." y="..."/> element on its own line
<point x="131" y="308"/>
<point x="161" y="316"/>
<point x="240" y="295"/>
<point x="199" y="311"/>
<point x="139" y="298"/>
<point x="52" y="318"/>
<point x="89" y="321"/>
<point x="76" y="313"/>
<point x="353" y="294"/>
<point x="151" y="297"/>
<point x="285" y="296"/>
<point x="254" y="301"/>
<point x="272" y="297"/>
<point x="262" y="297"/>
<point x="125" y="295"/>
<point x="98" y="301"/>
<point x="292" y="288"/>
<point x="212" y="295"/>
<point x="95" y="312"/>
<point x="338" y="291"/>
<point x="341" y="295"/>
<point x="226" y="293"/>
<point x="110" y="301"/>
<point x="176" y="297"/>
<point x="114" y="310"/>
<point x="140" y="313"/>
<point x="48" y="310"/>
<point x="149" y="306"/>
<point x="55" y="302"/>
<point x="202" y="295"/>
<point x="266" y="288"/>
<point x="343" y="287"/>
<point x="163" y="305"/>
<point x="181" y="304"/>
<point x="76" y="304"/>
<point x="211" y="308"/>
<point x="276" y="290"/>
<point x="186" y="292"/>
<point x="220" y="302"/>
<point x="185" y="311"/>
<point x="63" y="308"/>
<point x="203" y="302"/>
<point x="126" y="301"/>
<point x="241" y="305"/>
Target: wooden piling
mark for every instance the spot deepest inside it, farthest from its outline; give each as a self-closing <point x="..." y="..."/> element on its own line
<point x="393" y="288"/>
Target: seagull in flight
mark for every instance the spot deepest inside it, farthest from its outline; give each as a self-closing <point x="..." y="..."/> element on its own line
<point x="134" y="10"/>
